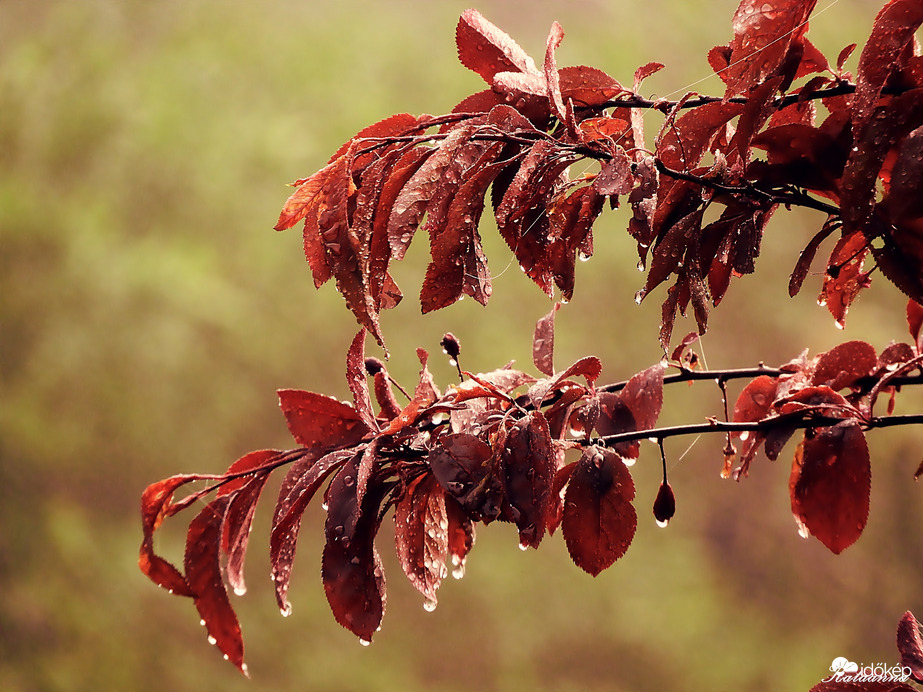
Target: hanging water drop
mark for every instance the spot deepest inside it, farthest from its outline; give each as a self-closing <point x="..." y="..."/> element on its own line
<point x="364" y="642"/>
<point x="240" y="590"/>
<point x="429" y="605"/>
<point x="662" y="523"/>
<point x="212" y="640"/>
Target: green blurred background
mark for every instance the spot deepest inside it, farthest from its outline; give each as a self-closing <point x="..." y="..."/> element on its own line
<point x="148" y="313"/>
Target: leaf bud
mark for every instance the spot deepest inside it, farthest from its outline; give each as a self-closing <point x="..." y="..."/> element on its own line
<point x="664" y="504"/>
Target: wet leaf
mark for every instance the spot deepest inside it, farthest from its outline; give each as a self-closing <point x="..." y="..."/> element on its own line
<point x="830" y="485"/>
<point x="543" y="343"/>
<point x="203" y="574"/>
<point x="318" y="421"/>
<point x="421" y="535"/>
<point x="910" y="645"/>
<point x="842" y="365"/>
<point x="486" y="50"/>
<point x="351" y="568"/>
<point x="461" y="462"/>
<point x="528" y="461"/>
<point x="599" y="520"/>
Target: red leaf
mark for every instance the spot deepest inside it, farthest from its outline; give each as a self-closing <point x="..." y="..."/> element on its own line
<point x="571" y="234"/>
<point x="358" y="384"/>
<point x="320" y="422"/>
<point x="894" y="28"/>
<point x="915" y="322"/>
<point x="461" y="462"/>
<point x="298" y="488"/>
<point x="155" y="502"/>
<point x="830" y="485"/>
<point x="237" y="530"/>
<point x="587" y="86"/>
<point x="529" y="464"/>
<point x="599" y="521"/>
<point x="763" y="35"/>
<point x="351" y="568"/>
<point x="803" y="265"/>
<point x="643" y="395"/>
<point x="844" y="278"/>
<point x="411" y="203"/>
<point x="392" y="126"/>
<point x="485" y="49"/>
<point x="555" y="36"/>
<point x="203" y="574"/>
<point x="842" y="365"/>
<point x="543" y="343"/>
<point x="754" y="404"/>
<point x="461" y="536"/>
<point x="910" y="645"/>
<point x="636" y="407"/>
<point x="421" y="536"/>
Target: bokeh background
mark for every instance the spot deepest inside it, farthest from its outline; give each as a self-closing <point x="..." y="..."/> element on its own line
<point x="148" y="313"/>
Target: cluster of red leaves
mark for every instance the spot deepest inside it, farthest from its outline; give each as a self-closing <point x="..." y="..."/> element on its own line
<point x="495" y="447"/>
<point x="491" y="448"/>
<point x="518" y="139"/>
<point x="832" y="396"/>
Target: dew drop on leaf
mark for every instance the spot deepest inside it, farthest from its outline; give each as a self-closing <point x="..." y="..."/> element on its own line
<point x="202" y="622"/>
<point x="429" y="605"/>
<point x="662" y="524"/>
<point x="803" y="530"/>
<point x="240" y="590"/>
<point x="212" y="640"/>
<point x="287" y="610"/>
<point x="523" y="547"/>
<point x="364" y="642"/>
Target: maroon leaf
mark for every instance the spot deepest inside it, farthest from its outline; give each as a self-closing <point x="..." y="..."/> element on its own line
<point x="763" y="35"/>
<point x="830" y="485"/>
<point x="844" y="278"/>
<point x="599" y="520"/>
<point x="893" y="29"/>
<point x="910" y="645"/>
<point x="298" y="488"/>
<point x="351" y="568"/>
<point x="555" y="36"/>
<point x="842" y="365"/>
<point x="421" y="535"/>
<point x="803" y="265"/>
<point x="203" y="574"/>
<point x="239" y="517"/>
<point x="155" y="503"/>
<point x="636" y="407"/>
<point x="461" y="462"/>
<point x="753" y="404"/>
<point x="320" y="422"/>
<point x="358" y="384"/>
<point x="529" y="463"/>
<point x="915" y="322"/>
<point x="587" y="86"/>
<point x="485" y="49"/>
<point x="543" y="343"/>
<point x="461" y="535"/>
<point x="571" y="235"/>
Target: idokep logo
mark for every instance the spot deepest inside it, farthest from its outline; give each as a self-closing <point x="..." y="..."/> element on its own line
<point x="844" y="670"/>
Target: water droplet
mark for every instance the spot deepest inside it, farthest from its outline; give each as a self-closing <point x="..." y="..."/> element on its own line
<point x="324" y="506"/>
<point x="744" y="435"/>
<point x="583" y="257"/>
<point x="338" y="530"/>
<point x="459" y="571"/>
<point x="286" y="610"/>
<point x="628" y="461"/>
<point x="662" y="524"/>
<point x="453" y="363"/>
<point x="429" y="605"/>
<point x="803" y="530"/>
<point x="348" y="481"/>
<point x="202" y="622"/>
<point x="240" y="590"/>
<point x="639" y="296"/>
<point x="364" y="642"/>
<point x="840" y="324"/>
<point x="523" y="547"/>
<point x="212" y="640"/>
<point x="641" y="268"/>
<point x="227" y="658"/>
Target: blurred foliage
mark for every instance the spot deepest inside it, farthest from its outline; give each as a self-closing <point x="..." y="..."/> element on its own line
<point x="148" y="313"/>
